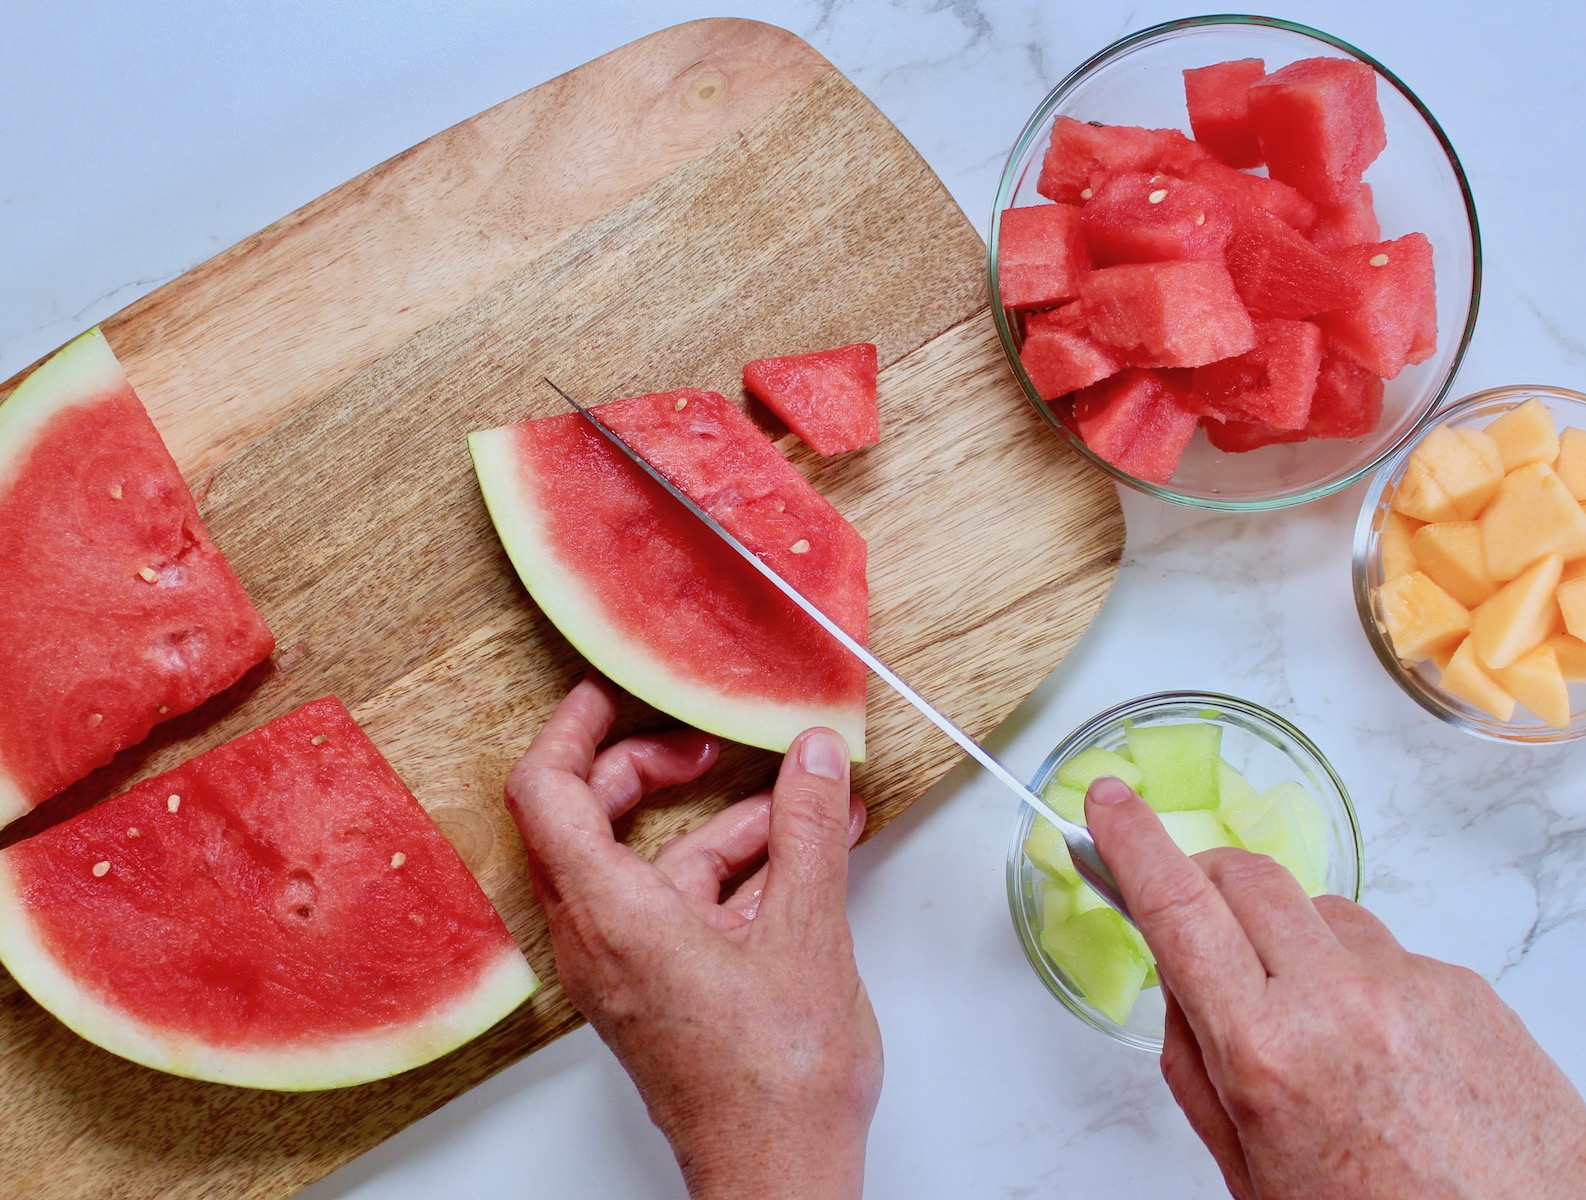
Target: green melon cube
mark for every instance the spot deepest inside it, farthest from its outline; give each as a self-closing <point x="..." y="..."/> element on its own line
<point x="1233" y="789"/>
<point x="1082" y="770"/>
<point x="1068" y="802"/>
<point x="1044" y="846"/>
<point x="1059" y="901"/>
<point x="1272" y="829"/>
<point x="1096" y="951"/>
<point x="1179" y="764"/>
<point x="1313" y="830"/>
<point x="1196" y="830"/>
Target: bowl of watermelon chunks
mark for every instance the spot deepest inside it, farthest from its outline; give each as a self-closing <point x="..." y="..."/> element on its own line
<point x="1234" y="261"/>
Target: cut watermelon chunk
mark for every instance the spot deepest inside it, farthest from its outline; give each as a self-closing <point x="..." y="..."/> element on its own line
<point x="1350" y="222"/>
<point x="1395" y="322"/>
<point x="1218" y="99"/>
<point x="1239" y="190"/>
<point x="1279" y="274"/>
<point x="1179" y="314"/>
<point x="1041" y="255"/>
<point x="652" y="597"/>
<point x="1319" y="125"/>
<point x="1081" y="156"/>
<point x="277" y="913"/>
<point x="1348" y="400"/>
<point x="1060" y="357"/>
<point x="120" y="612"/>
<point x="1135" y="217"/>
<point x="1138" y="421"/>
<point x="827" y="397"/>
<point x="1272" y="384"/>
<point x="1240" y="437"/>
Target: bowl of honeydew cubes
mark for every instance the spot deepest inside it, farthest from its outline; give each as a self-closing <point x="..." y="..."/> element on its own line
<point x="1219" y="771"/>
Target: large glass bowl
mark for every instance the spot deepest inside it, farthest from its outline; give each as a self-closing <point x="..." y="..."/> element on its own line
<point x="1418" y="185"/>
<point x="1258" y="743"/>
<point x="1419" y="680"/>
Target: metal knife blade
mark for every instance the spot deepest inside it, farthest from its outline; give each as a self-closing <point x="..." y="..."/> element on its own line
<point x="1081" y="846"/>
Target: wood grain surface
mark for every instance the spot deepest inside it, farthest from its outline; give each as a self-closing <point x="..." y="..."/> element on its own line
<point x="714" y="193"/>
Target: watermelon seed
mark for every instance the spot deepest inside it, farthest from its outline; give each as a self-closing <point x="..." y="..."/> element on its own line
<point x="1086" y="194"/>
<point x="319" y="739"/>
<point x="162" y="710"/>
<point x="682" y="403"/>
<point x="1157" y="196"/>
<point x="101" y="869"/>
<point x="148" y="574"/>
<point x="115" y="491"/>
<point x="94" y="719"/>
<point x="173" y="802"/>
<point x="416" y="918"/>
<point x="1200" y="218"/>
<point x="781" y="506"/>
<point x="1378" y="260"/>
<point x="801" y="546"/>
<point x="134" y="832"/>
<point x="398" y="859"/>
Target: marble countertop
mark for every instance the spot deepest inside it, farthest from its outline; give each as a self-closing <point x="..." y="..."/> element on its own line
<point x="137" y="142"/>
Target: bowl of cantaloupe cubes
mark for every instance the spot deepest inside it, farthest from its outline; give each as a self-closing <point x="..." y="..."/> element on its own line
<point x="1219" y="771"/>
<point x="1470" y="565"/>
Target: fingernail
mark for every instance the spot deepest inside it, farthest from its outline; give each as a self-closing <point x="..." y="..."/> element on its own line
<point x="1108" y="790"/>
<point x="823" y="754"/>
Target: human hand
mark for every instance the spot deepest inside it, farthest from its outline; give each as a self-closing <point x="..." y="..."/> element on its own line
<point x="742" y="1019"/>
<point x="1315" y="1056"/>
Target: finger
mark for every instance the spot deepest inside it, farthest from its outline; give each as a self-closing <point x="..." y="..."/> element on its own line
<point x="746" y="898"/>
<point x="700" y="861"/>
<point x="808" y="847"/>
<point x="1200" y="948"/>
<point x="1357" y="929"/>
<point x="623" y="774"/>
<point x="1282" y="924"/>
<point x="1184" y="1069"/>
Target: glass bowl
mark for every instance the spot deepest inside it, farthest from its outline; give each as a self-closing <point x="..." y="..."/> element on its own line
<point x="1258" y="743"/>
<point x="1418" y="184"/>
<point x="1419" y="680"/>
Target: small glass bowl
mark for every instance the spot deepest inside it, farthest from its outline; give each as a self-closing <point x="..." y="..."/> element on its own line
<point x="1258" y="743"/>
<point x="1418" y="184"/>
<point x="1419" y="680"/>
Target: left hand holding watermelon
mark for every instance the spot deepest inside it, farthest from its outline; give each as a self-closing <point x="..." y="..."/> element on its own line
<point x="741" y="1018"/>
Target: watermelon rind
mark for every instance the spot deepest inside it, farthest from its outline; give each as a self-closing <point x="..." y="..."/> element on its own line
<point x="555" y="585"/>
<point x="309" y="1067"/>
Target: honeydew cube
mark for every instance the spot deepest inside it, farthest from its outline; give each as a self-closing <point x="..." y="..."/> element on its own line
<point x="1308" y="815"/>
<point x="1195" y="830"/>
<point x="1536" y="681"/>
<point x="1058" y="901"/>
<point x="1271" y="828"/>
<point x="1082" y="770"/>
<point x="1525" y="434"/>
<point x="1420" y="617"/>
<point x="1450" y="554"/>
<point x="1570" y="466"/>
<point x="1518" y="617"/>
<point x="1571" y="655"/>
<point x="1045" y="848"/>
<point x="1068" y="802"/>
<point x="1233" y="789"/>
<point x="1395" y="539"/>
<point x="1572" y="604"/>
<point x="1447" y="478"/>
<point x="1532" y="515"/>
<point x="1104" y="956"/>
<point x="1465" y="677"/>
<point x="1178" y="763"/>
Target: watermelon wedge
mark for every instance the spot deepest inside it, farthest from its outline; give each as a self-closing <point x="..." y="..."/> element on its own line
<point x="118" y="610"/>
<point x="276" y="913"/>
<point x="827" y="397"/>
<point x="651" y="597"/>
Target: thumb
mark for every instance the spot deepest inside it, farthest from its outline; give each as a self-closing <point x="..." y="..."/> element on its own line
<point x="807" y="847"/>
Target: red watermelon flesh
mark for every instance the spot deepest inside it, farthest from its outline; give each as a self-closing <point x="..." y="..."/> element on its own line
<point x="1240" y="437"/>
<point x="1319" y="125"/>
<point x="651" y="597"/>
<point x="278" y="912"/>
<point x="1395" y="322"/>
<point x="1137" y="421"/>
<point x="1240" y="190"/>
<point x="1175" y="314"/>
<point x="1060" y="358"/>
<point x="827" y="397"/>
<point x="1137" y="217"/>
<point x="1348" y="400"/>
<point x="1272" y="384"/>
<point x="1279" y="274"/>
<point x="1083" y="155"/>
<point x="1348" y="223"/>
<point x="120" y="612"/>
<point x="1218" y="99"/>
<point x="1041" y="255"/>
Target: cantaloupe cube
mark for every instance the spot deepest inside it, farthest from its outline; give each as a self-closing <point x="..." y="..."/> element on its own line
<point x="1482" y="445"/>
<point x="1466" y="678"/>
<point x="1571" y="462"/>
<point x="1571" y="655"/>
<point x="1572" y="604"/>
<point x="1525" y="434"/>
<point x="1446" y="478"/>
<point x="1420" y="617"/>
<point x="1532" y="515"/>
<point x="1536" y="681"/>
<point x="1397" y="557"/>
<point x="1519" y="616"/>
<point x="1450" y="553"/>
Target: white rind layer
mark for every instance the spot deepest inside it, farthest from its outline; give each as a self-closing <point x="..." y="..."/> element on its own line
<point x="309" y="1066"/>
<point x="573" y="608"/>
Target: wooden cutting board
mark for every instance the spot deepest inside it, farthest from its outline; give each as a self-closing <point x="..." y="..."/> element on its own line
<point x="714" y="193"/>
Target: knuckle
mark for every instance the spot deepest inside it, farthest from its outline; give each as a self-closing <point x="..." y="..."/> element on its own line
<point x="1242" y="870"/>
<point x="1169" y="898"/>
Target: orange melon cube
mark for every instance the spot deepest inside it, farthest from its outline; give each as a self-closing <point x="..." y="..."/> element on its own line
<point x="1397" y="557"/>
<point x="1450" y="552"/>
<point x="1571" y="596"/>
<point x="1532" y="515"/>
<point x="1571" y="655"/>
<point x="1447" y="478"/>
<point x="1420" y="617"/>
<point x="1481" y="444"/>
<point x="1525" y="434"/>
<point x="1570" y="465"/>
<point x="1465" y="677"/>
<point x="1536" y="681"/>
<point x="1519" y="616"/>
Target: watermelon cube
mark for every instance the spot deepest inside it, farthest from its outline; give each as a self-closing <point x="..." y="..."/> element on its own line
<point x="1272" y="383"/>
<point x="1350" y="222"/>
<point x="1135" y="217"/>
<point x="1173" y="314"/>
<point x="1061" y="358"/>
<point x="1240" y="190"/>
<point x="1138" y="421"/>
<point x="1279" y="274"/>
<point x="1239" y="437"/>
<point x="1395" y="321"/>
<point x="1348" y="400"/>
<point x="827" y="397"/>
<point x="1319" y="125"/>
<point x="1218" y="98"/>
<point x="1082" y="156"/>
<point x="1041" y="255"/>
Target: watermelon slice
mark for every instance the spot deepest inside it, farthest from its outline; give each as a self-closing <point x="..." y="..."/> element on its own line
<point x="1138" y="421"/>
<point x="1279" y="274"/>
<point x="1135" y="217"/>
<point x="1395" y="322"/>
<point x="1319" y="125"/>
<point x="1059" y="356"/>
<point x="1218" y="99"/>
<point x="1041" y="255"/>
<point x="1273" y="383"/>
<point x="1173" y="314"/>
<point x="1350" y="222"/>
<point x="1240" y="190"/>
<point x="277" y="913"/>
<point x="1083" y="155"/>
<point x="651" y="597"/>
<point x="119" y="610"/>
<point x="827" y="397"/>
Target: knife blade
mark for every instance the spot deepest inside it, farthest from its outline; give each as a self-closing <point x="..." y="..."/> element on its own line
<point x="1081" y="846"/>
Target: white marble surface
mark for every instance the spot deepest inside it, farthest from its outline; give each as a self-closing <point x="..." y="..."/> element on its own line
<point x="136" y="141"/>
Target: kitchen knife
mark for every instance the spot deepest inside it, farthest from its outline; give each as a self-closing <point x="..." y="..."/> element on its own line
<point x="1081" y="846"/>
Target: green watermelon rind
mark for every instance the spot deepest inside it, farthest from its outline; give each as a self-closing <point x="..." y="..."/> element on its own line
<point x="316" y="1066"/>
<point x="554" y="584"/>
